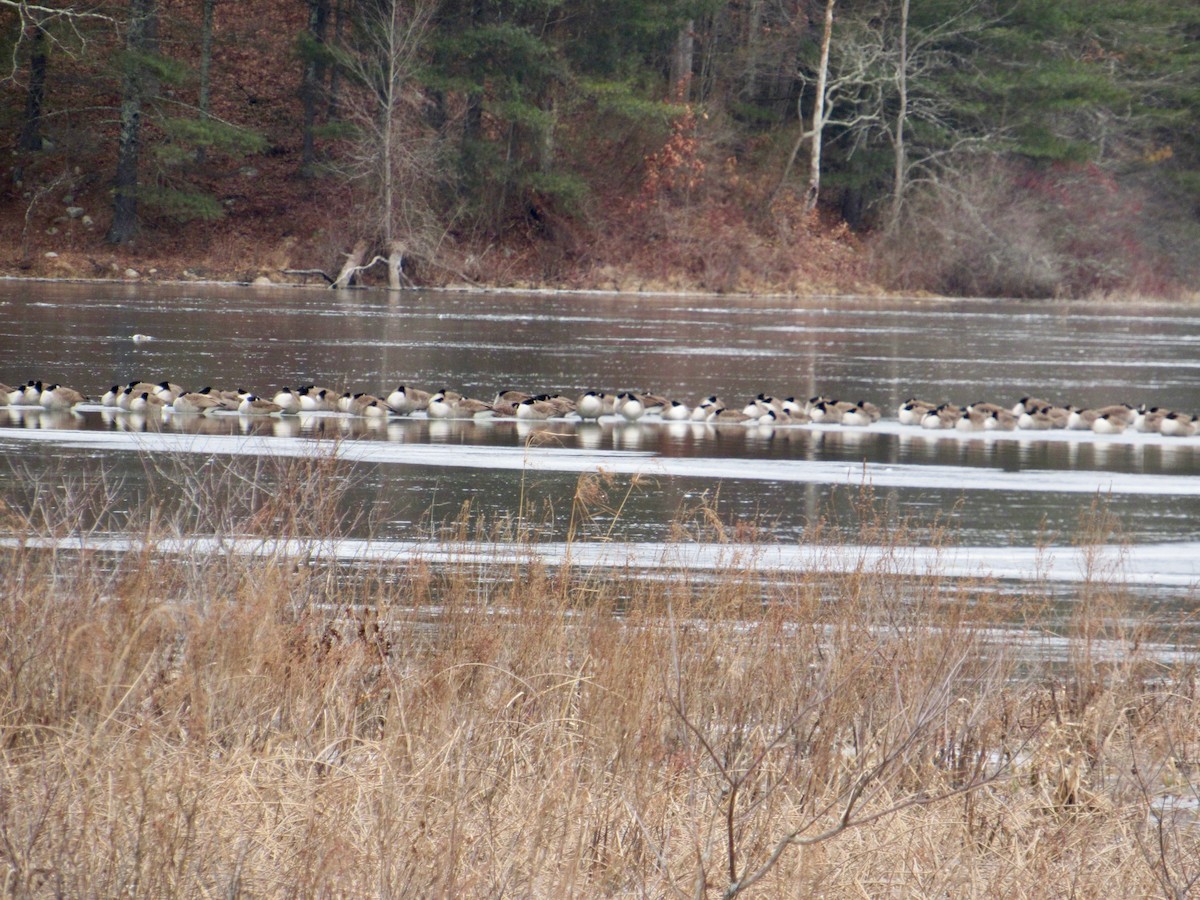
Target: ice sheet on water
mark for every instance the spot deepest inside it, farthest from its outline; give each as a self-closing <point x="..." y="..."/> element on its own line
<point x="1165" y="565"/>
<point x="625" y="462"/>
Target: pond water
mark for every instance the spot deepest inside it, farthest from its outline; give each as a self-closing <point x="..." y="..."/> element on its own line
<point x="1014" y="490"/>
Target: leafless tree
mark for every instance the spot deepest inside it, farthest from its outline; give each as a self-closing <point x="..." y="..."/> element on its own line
<point x="850" y="778"/>
<point x="37" y="25"/>
<point x="394" y="155"/>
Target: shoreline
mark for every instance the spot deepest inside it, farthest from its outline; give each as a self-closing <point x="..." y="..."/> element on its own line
<point x="1192" y="300"/>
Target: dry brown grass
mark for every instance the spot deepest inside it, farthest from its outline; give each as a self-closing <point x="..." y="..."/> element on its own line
<point x="230" y="725"/>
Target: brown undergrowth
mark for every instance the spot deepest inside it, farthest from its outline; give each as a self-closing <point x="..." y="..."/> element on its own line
<point x="201" y="723"/>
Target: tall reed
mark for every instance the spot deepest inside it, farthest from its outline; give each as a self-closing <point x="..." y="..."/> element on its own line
<point x="204" y="721"/>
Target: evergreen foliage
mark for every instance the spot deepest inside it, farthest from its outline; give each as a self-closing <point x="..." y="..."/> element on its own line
<point x="523" y="109"/>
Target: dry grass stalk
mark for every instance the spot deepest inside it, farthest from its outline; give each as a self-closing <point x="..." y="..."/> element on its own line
<point x="271" y="726"/>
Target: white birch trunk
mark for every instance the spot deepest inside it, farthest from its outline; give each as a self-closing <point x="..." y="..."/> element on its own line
<point x="818" y="126"/>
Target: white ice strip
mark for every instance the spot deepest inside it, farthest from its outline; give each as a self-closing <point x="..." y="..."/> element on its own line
<point x="558" y="459"/>
<point x="1166" y="565"/>
<point x="890" y="427"/>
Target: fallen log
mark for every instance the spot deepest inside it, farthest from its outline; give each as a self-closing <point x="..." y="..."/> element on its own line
<point x="306" y="272"/>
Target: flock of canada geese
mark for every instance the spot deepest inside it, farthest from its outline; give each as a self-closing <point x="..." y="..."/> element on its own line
<point x="1028" y="414"/>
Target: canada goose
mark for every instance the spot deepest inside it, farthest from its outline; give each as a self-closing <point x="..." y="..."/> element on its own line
<point x="1000" y="420"/>
<point x="506" y="408"/>
<point x="972" y="420"/>
<point x="986" y="408"/>
<point x="942" y="417"/>
<point x="5" y="390"/>
<point x="862" y="413"/>
<point x="630" y="407"/>
<point x="563" y="406"/>
<point x="1149" y="420"/>
<point x="652" y="403"/>
<point x="1122" y="412"/>
<point x="794" y="409"/>
<point x="231" y="400"/>
<point x="1082" y="419"/>
<point x="535" y="409"/>
<point x="783" y="417"/>
<point x="1177" y="424"/>
<point x="253" y="405"/>
<point x="126" y="395"/>
<point x="730" y="417"/>
<point x="329" y="394"/>
<point x="360" y="402"/>
<point x="1058" y="415"/>
<point x="1033" y="419"/>
<point x="1109" y="423"/>
<point x="1044" y="418"/>
<point x="767" y="403"/>
<point x="31" y="394"/>
<point x="196" y="403"/>
<point x="439" y="407"/>
<point x="469" y="408"/>
<point x="315" y="399"/>
<point x="761" y="405"/>
<point x="755" y="408"/>
<point x="168" y="390"/>
<point x="510" y="397"/>
<point x="812" y="402"/>
<point x="1027" y="405"/>
<point x="146" y="403"/>
<point x="405" y="400"/>
<point x="15" y="396"/>
<point x="677" y="412"/>
<point x="702" y="410"/>
<point x="818" y="411"/>
<point x="58" y="397"/>
<point x="764" y="424"/>
<point x="374" y="408"/>
<point x="589" y="405"/>
<point x="287" y="401"/>
<point x="830" y="410"/>
<point x="912" y="410"/>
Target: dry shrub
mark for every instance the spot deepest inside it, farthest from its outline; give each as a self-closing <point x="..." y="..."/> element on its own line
<point x="972" y="234"/>
<point x="182" y="725"/>
<point x="1003" y="230"/>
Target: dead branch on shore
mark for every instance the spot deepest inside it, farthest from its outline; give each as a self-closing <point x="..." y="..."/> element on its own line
<point x="306" y="272"/>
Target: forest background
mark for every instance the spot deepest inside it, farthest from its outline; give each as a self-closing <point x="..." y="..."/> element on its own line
<point x="1026" y="148"/>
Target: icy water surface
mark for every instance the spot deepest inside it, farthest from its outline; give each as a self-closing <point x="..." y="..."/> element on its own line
<point x="1018" y="491"/>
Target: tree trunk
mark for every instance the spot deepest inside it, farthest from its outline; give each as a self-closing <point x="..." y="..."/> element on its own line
<point x="682" y="60"/>
<point x="353" y="263"/>
<point x="31" y="136"/>
<point x="818" y="127"/>
<point x="339" y="19"/>
<point x="899" y="174"/>
<point x="395" y="266"/>
<point x="318" y="14"/>
<point x="206" y="39"/>
<point x="134" y="90"/>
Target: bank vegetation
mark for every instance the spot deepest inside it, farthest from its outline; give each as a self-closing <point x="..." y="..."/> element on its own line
<point x="1038" y="148"/>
